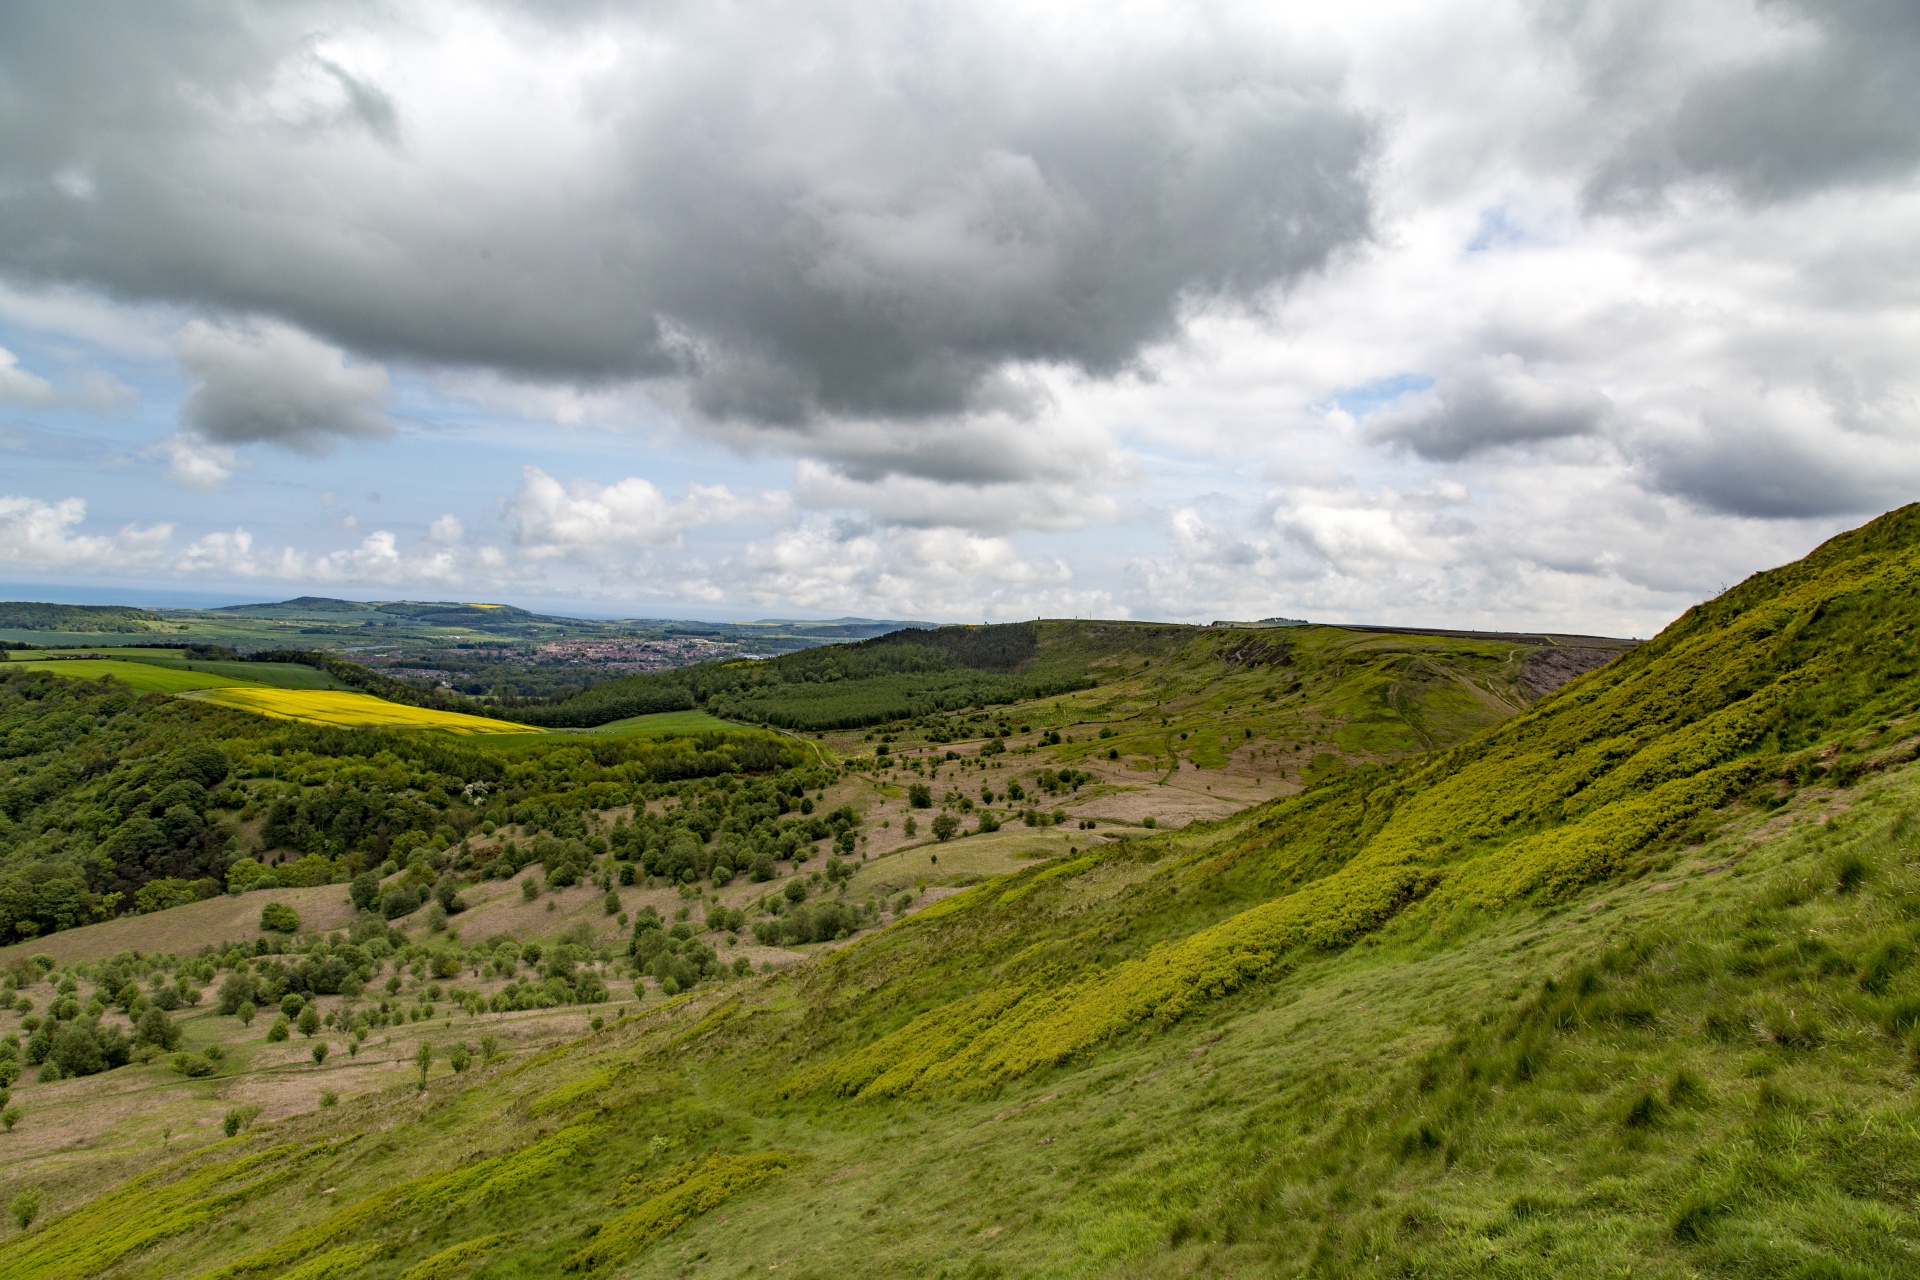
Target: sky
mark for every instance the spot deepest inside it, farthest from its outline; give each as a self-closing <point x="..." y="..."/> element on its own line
<point x="1548" y="315"/>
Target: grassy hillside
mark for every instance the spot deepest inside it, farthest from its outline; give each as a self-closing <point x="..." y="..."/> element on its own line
<point x="1623" y="983"/>
<point x="112" y="801"/>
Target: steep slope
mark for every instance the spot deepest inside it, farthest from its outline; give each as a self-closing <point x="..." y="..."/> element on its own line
<point x="1436" y="1017"/>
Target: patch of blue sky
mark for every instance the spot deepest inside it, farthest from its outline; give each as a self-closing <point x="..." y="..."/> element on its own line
<point x="1498" y="228"/>
<point x="1363" y="400"/>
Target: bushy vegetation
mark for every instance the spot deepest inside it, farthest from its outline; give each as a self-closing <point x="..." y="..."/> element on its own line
<point x="111" y="802"/>
<point x="893" y="677"/>
<point x="1629" y="983"/>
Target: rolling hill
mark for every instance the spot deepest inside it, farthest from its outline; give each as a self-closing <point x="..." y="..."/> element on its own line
<point x="1621" y="980"/>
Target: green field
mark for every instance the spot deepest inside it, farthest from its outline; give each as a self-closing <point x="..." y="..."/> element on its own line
<point x="109" y="651"/>
<point x="143" y="677"/>
<point x="667" y="722"/>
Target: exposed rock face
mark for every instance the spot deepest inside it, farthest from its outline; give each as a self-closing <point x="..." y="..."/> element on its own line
<point x="1546" y="669"/>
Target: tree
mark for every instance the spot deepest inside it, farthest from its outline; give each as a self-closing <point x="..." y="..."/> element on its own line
<point x="320" y="1051"/>
<point x="157" y="1029"/>
<point x="945" y="826"/>
<point x="423" y="1059"/>
<point x="236" y="989"/>
<point x="278" y="917"/>
<point x="529" y="889"/>
<point x="11" y="1117"/>
<point x="611" y="903"/>
<point x="237" y="1119"/>
<point x="278" y="1031"/>
<point x="246" y="1012"/>
<point x="460" y="1057"/>
<point x="920" y="795"/>
<point x="365" y="890"/>
<point x="25" y="1205"/>
<point x="309" y="1021"/>
<point x="912" y="828"/>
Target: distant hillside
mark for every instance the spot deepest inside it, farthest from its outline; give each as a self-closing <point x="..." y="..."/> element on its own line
<point x="1626" y="983"/>
<point x="108" y="618"/>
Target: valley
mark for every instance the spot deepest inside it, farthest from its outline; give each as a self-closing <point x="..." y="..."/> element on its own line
<point x="1168" y="951"/>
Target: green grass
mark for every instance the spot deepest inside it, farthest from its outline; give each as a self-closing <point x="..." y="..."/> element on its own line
<point x="141" y="677"/>
<point x="1625" y="984"/>
<point x="667" y="722"/>
<point x="280" y="675"/>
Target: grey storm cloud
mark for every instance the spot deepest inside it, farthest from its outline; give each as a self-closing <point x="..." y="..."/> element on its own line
<point x="274" y="384"/>
<point x="1767" y="472"/>
<point x="1841" y="107"/>
<point x="852" y="212"/>
<point x="1491" y="403"/>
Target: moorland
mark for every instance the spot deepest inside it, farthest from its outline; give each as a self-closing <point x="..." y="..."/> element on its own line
<point x="1061" y="948"/>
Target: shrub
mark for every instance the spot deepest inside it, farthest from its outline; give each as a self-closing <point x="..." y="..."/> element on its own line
<point x="278" y="1031"/>
<point x="945" y="826"/>
<point x="364" y="889"/>
<point x="401" y="900"/>
<point x="328" y="1098"/>
<point x="320" y="1051"/>
<point x="278" y="917"/>
<point x="192" y="1065"/>
<point x="25" y="1205"/>
<point x="10" y="1117"/>
<point x="460" y="1057"/>
<point x="920" y="795"/>
<point x="83" y="1048"/>
<point x="239" y="1118"/>
<point x="529" y="889"/>
<point x="611" y="903"/>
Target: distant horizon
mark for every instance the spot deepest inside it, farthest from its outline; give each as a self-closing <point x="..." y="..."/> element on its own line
<point x="164" y="599"/>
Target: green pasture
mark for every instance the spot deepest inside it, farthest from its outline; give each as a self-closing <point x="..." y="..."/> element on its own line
<point x="143" y="677"/>
<point x="668" y="722"/>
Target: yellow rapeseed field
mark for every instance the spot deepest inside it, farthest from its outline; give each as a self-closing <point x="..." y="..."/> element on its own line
<point x="350" y="710"/>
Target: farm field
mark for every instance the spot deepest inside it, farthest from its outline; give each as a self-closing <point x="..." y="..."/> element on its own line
<point x="667" y="722"/>
<point x="142" y="677"/>
<point x="349" y="710"/>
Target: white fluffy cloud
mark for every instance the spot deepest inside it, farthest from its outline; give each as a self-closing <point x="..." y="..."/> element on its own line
<point x="44" y="535"/>
<point x="585" y="520"/>
<point x="1552" y="312"/>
